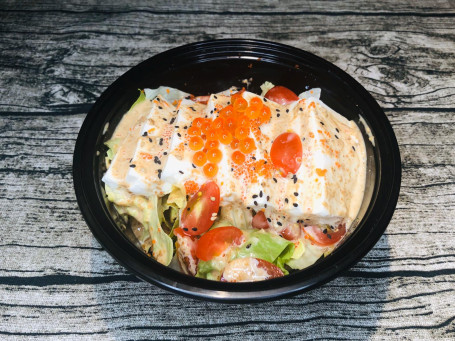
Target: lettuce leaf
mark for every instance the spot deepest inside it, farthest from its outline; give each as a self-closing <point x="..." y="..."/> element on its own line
<point x="266" y="246"/>
<point x="140" y="99"/>
<point x="147" y="212"/>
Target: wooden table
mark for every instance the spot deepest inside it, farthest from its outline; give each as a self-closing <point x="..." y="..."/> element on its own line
<point x="56" y="282"/>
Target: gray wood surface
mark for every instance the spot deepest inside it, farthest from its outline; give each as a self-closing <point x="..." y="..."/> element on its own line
<point x="57" y="283"/>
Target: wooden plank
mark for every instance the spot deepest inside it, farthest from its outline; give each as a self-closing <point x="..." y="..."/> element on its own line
<point x="368" y="7"/>
<point x="343" y="309"/>
<point x="71" y="57"/>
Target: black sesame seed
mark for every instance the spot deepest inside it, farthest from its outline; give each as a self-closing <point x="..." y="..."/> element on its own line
<point x="194" y="166"/>
<point x="157" y="160"/>
<point x="268" y="197"/>
<point x="180" y="172"/>
<point x="179" y="135"/>
<point x="295" y="204"/>
<point x="265" y="99"/>
<point x="255" y="203"/>
<point x="353" y="148"/>
<point x="176" y="127"/>
<point x="336" y="137"/>
<point x="145" y="134"/>
<point x="255" y="196"/>
<point x="287" y="110"/>
<point x="159" y="173"/>
<point x="215" y="97"/>
<point x="303" y="139"/>
<point x="254" y="158"/>
<point x="286" y="200"/>
<point x="275" y="180"/>
<point x="161" y="141"/>
<point x="329" y="236"/>
<point x="194" y="228"/>
<point x="321" y="122"/>
<point x="130" y="160"/>
<point x="248" y="208"/>
<point x="265" y="205"/>
<point x="211" y="111"/>
<point x="158" y="99"/>
<point x="160" y="107"/>
<point x="325" y="231"/>
<point x="132" y="165"/>
<point x="295" y="178"/>
<point x="150" y="140"/>
<point x="301" y="109"/>
<point x="296" y="194"/>
<point x="337" y="130"/>
<point x="185" y="229"/>
<point x="172" y="120"/>
<point x="192" y="109"/>
<point x="277" y="115"/>
<point x="279" y="223"/>
<point x="164" y="119"/>
<point x="188" y="208"/>
<point x="248" y="246"/>
<point x="260" y="194"/>
<point x="269" y="220"/>
<point x="232" y="169"/>
<point x="165" y="153"/>
<point x="277" y="109"/>
<point x="185" y="127"/>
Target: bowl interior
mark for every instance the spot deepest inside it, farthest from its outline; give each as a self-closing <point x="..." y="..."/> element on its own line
<point x="210" y="67"/>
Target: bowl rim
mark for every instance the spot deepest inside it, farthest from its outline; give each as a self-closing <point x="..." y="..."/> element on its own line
<point x="386" y="191"/>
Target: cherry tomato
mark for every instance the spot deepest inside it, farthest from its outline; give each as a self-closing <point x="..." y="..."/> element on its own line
<point x="215" y="241"/>
<point x="196" y="216"/>
<point x="286" y="153"/>
<point x="250" y="269"/>
<point x="330" y="237"/>
<point x="281" y="95"/>
<point x="260" y="221"/>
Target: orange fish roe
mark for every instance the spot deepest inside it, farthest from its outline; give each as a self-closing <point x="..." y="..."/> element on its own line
<point x="196" y="143"/>
<point x="242" y="132"/>
<point x="211" y="144"/>
<point x="224" y="136"/>
<point x="235" y="144"/>
<point x="199" y="158"/>
<point x="238" y="157"/>
<point x="218" y="123"/>
<point x="247" y="145"/>
<point x="194" y="131"/>
<point x="214" y="155"/>
<point x="191" y="187"/>
<point x="232" y="128"/>
<point x="146" y="156"/>
<point x="240" y="104"/>
<point x="210" y="170"/>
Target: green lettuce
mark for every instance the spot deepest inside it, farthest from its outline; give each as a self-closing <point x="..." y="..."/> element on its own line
<point x="266" y="246"/>
<point x="140" y="99"/>
<point x="147" y="212"/>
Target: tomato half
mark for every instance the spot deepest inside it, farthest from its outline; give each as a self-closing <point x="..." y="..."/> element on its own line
<point x="215" y="241"/>
<point x="197" y="216"/>
<point x="281" y="95"/>
<point x="260" y="221"/>
<point x="286" y="153"/>
<point x="330" y="237"/>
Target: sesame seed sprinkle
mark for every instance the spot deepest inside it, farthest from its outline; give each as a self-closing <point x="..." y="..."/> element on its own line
<point x="353" y="148"/>
<point x="132" y="165"/>
<point x="181" y="172"/>
<point x="145" y="134"/>
<point x="279" y="223"/>
<point x="295" y="204"/>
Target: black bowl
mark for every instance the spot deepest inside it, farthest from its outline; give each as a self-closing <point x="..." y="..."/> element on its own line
<point x="207" y="67"/>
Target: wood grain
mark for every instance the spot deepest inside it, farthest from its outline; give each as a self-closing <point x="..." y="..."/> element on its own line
<point x="57" y="282"/>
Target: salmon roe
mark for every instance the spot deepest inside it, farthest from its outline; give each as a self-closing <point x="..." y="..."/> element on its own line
<point x="210" y="170"/>
<point x="199" y="158"/>
<point x="242" y="132"/>
<point x="247" y="145"/>
<point x="238" y="157"/>
<point x="214" y="155"/>
<point x="196" y="143"/>
<point x="211" y="144"/>
<point x="224" y="136"/>
<point x="232" y="128"/>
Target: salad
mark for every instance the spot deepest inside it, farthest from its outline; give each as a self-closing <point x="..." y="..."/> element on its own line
<point x="235" y="186"/>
